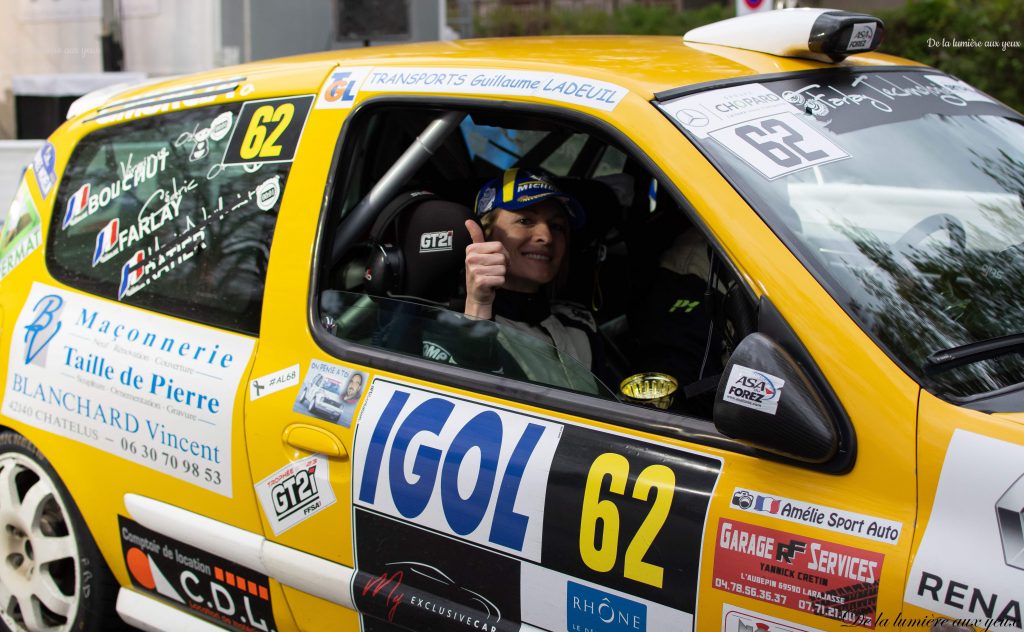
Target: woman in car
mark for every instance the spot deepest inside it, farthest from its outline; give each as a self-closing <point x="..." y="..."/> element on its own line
<point x="516" y="258"/>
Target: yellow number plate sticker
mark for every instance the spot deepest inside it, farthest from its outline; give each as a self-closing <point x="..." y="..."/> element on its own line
<point x="268" y="131"/>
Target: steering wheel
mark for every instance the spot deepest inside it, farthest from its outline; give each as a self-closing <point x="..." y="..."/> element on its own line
<point x="931" y="224"/>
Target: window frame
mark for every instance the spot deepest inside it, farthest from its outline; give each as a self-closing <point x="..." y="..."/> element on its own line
<point x="672" y="426"/>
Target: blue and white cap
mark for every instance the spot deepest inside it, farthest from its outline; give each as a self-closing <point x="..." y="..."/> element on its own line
<point x="521" y="188"/>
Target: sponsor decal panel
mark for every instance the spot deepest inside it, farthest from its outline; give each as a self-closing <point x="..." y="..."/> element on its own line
<point x="156" y="391"/>
<point x="297" y="491"/>
<point x="630" y="516"/>
<point x="267" y="131"/>
<point x="811" y="514"/>
<point x="970" y="564"/>
<point x="628" y="521"/>
<point x="413" y="579"/>
<point x="207" y="586"/>
<point x="753" y="389"/>
<point x="22" y="231"/>
<point x="274" y="382"/>
<point x="740" y="620"/>
<point x="457" y="466"/>
<point x="330" y="392"/>
<point x="823" y="578"/>
<point x="341" y="88"/>
<point x="44" y="167"/>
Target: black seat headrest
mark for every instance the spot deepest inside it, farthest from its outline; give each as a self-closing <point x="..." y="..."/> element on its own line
<point x="419" y="248"/>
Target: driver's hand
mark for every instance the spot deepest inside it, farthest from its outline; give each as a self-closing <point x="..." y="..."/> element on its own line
<point x="486" y="266"/>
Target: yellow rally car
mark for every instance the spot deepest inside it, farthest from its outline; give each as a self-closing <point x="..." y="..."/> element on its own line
<point x="241" y="390"/>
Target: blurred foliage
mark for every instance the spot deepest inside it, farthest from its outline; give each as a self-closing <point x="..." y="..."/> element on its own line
<point x="923" y="30"/>
<point x="927" y="31"/>
<point x="629" y="20"/>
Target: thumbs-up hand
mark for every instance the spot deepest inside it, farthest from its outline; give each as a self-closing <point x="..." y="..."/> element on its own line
<point x="486" y="266"/>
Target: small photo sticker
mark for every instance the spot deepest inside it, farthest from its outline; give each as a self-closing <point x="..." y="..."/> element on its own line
<point x="330" y="392"/>
<point x="753" y="389"/>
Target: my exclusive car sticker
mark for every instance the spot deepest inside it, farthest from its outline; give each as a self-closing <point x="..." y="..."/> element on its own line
<point x="468" y="485"/>
<point x="735" y="619"/>
<point x="206" y="585"/>
<point x="273" y="382"/>
<point x="970" y="563"/>
<point x="794" y="571"/>
<point x="156" y="391"/>
<point x="268" y="130"/>
<point x="44" y="168"/>
<point x="22" y="231"/>
<point x="343" y="85"/>
<point x="330" y="392"/>
<point x="814" y="515"/>
<point x="753" y="389"/>
<point x="297" y="491"/>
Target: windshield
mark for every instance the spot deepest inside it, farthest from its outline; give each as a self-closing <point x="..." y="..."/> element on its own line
<point x="901" y="191"/>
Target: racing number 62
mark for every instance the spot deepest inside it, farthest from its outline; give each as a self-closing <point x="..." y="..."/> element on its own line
<point x="786" y="153"/>
<point x="601" y="556"/>
<point x="257" y="143"/>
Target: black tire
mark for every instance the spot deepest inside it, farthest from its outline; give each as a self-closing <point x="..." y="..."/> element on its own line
<point x="36" y="513"/>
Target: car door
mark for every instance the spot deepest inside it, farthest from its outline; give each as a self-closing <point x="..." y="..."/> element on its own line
<point x="452" y="496"/>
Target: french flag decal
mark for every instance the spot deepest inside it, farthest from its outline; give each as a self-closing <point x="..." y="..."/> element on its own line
<point x="77" y="206"/>
<point x="131" y="273"/>
<point x="768" y="504"/>
<point x="106" y="242"/>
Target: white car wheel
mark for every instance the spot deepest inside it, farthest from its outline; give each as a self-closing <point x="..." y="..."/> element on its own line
<point x="52" y="577"/>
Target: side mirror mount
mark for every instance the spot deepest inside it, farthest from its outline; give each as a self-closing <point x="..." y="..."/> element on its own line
<point x="766" y="399"/>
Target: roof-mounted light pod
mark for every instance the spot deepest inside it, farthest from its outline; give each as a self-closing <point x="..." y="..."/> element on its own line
<point x="820" y="34"/>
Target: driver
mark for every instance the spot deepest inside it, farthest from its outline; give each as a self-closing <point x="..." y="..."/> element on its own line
<point x="516" y="259"/>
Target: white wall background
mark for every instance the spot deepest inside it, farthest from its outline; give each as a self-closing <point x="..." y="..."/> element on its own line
<point x="161" y="37"/>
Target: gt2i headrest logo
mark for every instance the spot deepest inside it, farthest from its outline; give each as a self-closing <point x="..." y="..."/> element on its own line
<point x="296" y="492"/>
<point x="44" y="326"/>
<point x="438" y="241"/>
<point x="454" y="465"/>
<point x="753" y="389"/>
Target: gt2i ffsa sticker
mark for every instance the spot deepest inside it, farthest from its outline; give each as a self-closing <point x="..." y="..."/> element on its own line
<point x="268" y="131"/>
<point x="204" y="584"/>
<point x="824" y="578"/>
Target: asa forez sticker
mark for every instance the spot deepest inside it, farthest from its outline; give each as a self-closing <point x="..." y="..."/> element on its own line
<point x="330" y="392"/>
<point x="823" y="578"/>
<point x="753" y="389"/>
<point x="204" y="584"/>
<point x="156" y="391"/>
<point x="274" y="382"/>
<point x="268" y="131"/>
<point x="736" y="619"/>
<point x="811" y="514"/>
<point x="345" y="84"/>
<point x="22" y="231"/>
<point x="970" y="564"/>
<point x="585" y="516"/>
<point x="295" y="492"/>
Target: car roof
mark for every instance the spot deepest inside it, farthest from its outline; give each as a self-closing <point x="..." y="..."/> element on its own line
<point x="645" y="65"/>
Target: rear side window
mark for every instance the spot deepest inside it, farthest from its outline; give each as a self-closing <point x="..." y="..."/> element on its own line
<point x="175" y="213"/>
